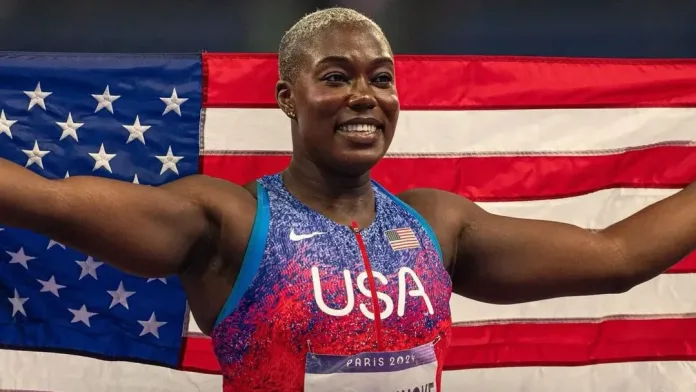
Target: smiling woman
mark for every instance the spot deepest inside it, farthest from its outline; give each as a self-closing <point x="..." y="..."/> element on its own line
<point x="347" y="235"/>
<point x="317" y="278"/>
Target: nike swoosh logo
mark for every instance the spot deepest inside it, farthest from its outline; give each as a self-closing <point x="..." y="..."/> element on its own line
<point x="300" y="237"/>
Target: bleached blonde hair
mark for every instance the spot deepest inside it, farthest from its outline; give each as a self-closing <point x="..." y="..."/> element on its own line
<point x="295" y="40"/>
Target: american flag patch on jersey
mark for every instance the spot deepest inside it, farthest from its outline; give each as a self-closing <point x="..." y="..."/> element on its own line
<point x="402" y="238"/>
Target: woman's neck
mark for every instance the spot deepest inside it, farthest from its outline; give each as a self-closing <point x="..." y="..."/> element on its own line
<point x="340" y="197"/>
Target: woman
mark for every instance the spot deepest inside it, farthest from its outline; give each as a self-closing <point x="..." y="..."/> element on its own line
<point x="316" y="278"/>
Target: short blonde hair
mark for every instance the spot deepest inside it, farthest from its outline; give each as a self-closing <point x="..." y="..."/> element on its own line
<point x="295" y="39"/>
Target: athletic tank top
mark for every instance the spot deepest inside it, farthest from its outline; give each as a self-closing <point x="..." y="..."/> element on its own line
<point x="304" y="287"/>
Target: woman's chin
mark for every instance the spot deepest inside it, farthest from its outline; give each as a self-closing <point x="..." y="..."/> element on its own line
<point x="357" y="162"/>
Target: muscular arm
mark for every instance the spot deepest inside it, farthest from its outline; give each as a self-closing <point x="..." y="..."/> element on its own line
<point x="508" y="260"/>
<point x="143" y="230"/>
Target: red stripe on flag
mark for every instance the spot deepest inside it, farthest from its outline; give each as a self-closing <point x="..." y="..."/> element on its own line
<point x="500" y="178"/>
<point x="198" y="355"/>
<point x="461" y="82"/>
<point x="686" y="265"/>
<point x="570" y="344"/>
<point x="536" y="344"/>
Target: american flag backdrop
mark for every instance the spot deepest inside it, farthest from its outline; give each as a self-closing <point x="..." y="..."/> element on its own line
<point x="581" y="141"/>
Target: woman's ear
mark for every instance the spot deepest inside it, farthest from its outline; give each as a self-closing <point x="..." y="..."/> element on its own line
<point x="285" y="99"/>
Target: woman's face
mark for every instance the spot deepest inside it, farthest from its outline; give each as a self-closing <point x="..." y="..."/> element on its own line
<point x="345" y="99"/>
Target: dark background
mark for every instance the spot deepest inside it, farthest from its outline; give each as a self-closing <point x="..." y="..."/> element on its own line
<point x="590" y="28"/>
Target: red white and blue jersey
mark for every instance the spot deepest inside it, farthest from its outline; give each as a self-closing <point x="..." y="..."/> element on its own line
<point x="305" y="287"/>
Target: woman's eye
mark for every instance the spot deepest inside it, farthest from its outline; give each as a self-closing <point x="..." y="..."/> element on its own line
<point x="383" y="79"/>
<point x="335" y="78"/>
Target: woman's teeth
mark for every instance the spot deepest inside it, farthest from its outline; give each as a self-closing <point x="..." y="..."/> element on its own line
<point x="363" y="128"/>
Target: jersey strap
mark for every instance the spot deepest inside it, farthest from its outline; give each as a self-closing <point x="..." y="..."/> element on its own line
<point x="253" y="253"/>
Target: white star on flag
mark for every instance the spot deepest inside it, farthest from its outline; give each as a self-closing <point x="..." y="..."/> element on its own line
<point x="20" y="258"/>
<point x="50" y="286"/>
<point x="35" y="155"/>
<point x="120" y="296"/>
<point x="105" y="100"/>
<point x="151" y="326"/>
<point x="163" y="280"/>
<point x="169" y="161"/>
<point x="173" y="103"/>
<point x="136" y="131"/>
<point x="69" y="128"/>
<point x="37" y="97"/>
<point x="52" y="243"/>
<point x="89" y="267"/>
<point x="5" y="124"/>
<point x="18" y="304"/>
<point x="101" y="159"/>
<point x="81" y="315"/>
<point x="136" y="180"/>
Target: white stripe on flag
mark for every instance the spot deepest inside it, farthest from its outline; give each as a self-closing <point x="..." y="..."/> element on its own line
<point x="478" y="131"/>
<point x="37" y="371"/>
<point x="668" y="294"/>
<point x="595" y="210"/>
<point x="193" y="327"/>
